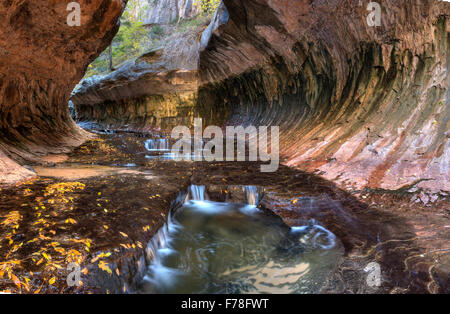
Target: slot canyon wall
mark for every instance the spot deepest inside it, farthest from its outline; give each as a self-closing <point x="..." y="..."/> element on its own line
<point x="157" y="90"/>
<point x="42" y="58"/>
<point x="154" y="91"/>
<point x="363" y="106"/>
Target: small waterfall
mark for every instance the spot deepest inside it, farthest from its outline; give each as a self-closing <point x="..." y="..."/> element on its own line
<point x="161" y="144"/>
<point x="186" y="247"/>
<point x="197" y="192"/>
<point x="252" y="195"/>
<point x="160" y="240"/>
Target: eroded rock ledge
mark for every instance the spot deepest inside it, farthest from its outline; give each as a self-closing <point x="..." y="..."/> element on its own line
<point x="41" y="59"/>
<point x="155" y="90"/>
<point x="363" y="106"/>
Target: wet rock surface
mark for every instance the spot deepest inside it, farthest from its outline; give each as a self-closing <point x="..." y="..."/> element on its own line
<point x="105" y="222"/>
<point x="101" y="219"/>
<point x="41" y="60"/>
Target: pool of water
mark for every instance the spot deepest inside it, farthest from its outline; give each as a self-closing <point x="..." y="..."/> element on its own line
<point x="212" y="247"/>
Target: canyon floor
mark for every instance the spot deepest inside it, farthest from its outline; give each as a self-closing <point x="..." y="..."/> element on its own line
<point x="100" y="207"/>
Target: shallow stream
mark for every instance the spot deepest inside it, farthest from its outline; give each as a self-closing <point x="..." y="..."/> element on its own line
<point x="214" y="247"/>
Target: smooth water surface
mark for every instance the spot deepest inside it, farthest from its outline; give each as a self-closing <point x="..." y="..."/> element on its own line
<point x="211" y="247"/>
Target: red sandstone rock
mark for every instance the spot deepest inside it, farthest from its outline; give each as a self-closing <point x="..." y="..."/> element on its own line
<point x="365" y="106"/>
<point x="41" y="59"/>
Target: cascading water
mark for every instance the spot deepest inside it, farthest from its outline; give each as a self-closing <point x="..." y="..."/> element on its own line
<point x="252" y="195"/>
<point x="159" y="242"/>
<point x="197" y="193"/>
<point x="211" y="247"/>
<point x="161" y="144"/>
<point x="158" y="149"/>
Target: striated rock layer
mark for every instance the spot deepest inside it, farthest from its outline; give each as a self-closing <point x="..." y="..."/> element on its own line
<point x="155" y="90"/>
<point x="363" y="106"/>
<point x="41" y="59"/>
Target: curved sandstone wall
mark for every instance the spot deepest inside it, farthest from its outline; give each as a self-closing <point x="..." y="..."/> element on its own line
<point x="363" y="106"/>
<point x="41" y="59"/>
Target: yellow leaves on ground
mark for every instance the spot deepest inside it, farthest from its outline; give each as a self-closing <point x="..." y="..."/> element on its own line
<point x="74" y="256"/>
<point x="15" y="247"/>
<point x="7" y="268"/>
<point x="63" y="187"/>
<point x="101" y="255"/>
<point x="12" y="219"/>
<point x="86" y="242"/>
<point x="104" y="266"/>
<point x="47" y="257"/>
<point x="123" y="234"/>
<point x="109" y="149"/>
<point x="294" y="201"/>
<point x="146" y="228"/>
<point x="52" y="280"/>
<point x="15" y="280"/>
<point x="71" y="221"/>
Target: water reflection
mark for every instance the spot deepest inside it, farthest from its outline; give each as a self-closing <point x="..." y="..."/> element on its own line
<point x="211" y="247"/>
<point x="160" y="149"/>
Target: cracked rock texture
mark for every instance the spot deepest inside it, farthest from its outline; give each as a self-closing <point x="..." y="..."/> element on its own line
<point x="42" y="58"/>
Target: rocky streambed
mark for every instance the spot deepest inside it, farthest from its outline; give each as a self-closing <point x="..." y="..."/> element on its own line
<point x="101" y="208"/>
